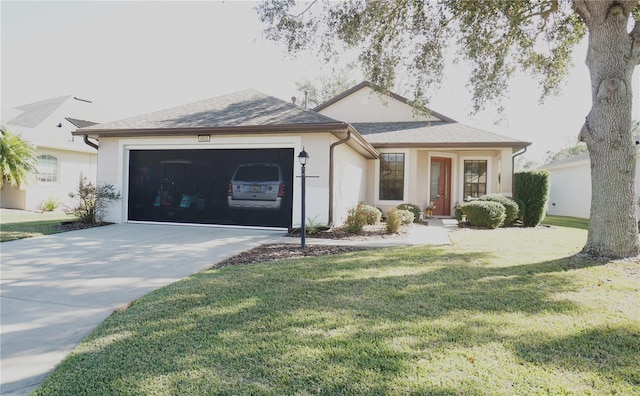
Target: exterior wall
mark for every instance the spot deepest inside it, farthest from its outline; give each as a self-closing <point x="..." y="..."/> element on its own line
<point x="365" y="105"/>
<point x="317" y="183"/>
<point x="12" y="197"/>
<point x="418" y="175"/>
<point x="71" y="164"/>
<point x="570" y="190"/>
<point x="113" y="167"/>
<point x="350" y="182"/>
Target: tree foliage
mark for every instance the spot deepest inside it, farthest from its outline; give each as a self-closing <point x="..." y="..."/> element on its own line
<point x="323" y="88"/>
<point x="566" y="153"/>
<point x="17" y="159"/>
<point x="412" y="38"/>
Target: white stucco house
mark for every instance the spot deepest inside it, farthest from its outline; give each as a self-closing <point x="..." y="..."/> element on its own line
<point x="570" y="186"/>
<point x="61" y="157"/>
<point x="189" y="164"/>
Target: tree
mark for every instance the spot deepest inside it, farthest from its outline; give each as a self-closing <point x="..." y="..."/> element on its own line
<point x="324" y="87"/>
<point x="566" y="153"/>
<point x="497" y="37"/>
<point x="17" y="159"/>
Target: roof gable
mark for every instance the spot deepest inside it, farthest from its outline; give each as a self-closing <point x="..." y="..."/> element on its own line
<point x="244" y="108"/>
<point x="364" y="103"/>
<point x="33" y="114"/>
<point x="432" y="134"/>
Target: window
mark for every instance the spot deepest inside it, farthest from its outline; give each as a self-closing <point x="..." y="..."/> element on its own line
<point x="475" y="178"/>
<point x="47" y="169"/>
<point x="392" y="176"/>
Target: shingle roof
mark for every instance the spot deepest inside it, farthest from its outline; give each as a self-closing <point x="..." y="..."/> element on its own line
<point x="394" y="95"/>
<point x="34" y="113"/>
<point x="244" y="108"/>
<point x="430" y="133"/>
<point x="80" y="123"/>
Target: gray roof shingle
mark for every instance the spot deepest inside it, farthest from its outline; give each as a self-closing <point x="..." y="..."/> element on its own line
<point x="244" y="108"/>
<point x="423" y="132"/>
<point x="34" y="113"/>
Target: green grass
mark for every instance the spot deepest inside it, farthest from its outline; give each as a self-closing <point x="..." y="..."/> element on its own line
<point x="501" y="312"/>
<point x="19" y="224"/>
<point x="566" y="221"/>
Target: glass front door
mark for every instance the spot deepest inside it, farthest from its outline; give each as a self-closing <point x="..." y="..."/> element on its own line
<point x="440" y="186"/>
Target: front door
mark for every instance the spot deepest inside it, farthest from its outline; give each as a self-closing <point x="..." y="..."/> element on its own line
<point x="441" y="186"/>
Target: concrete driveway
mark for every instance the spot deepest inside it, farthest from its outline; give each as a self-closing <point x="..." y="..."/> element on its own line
<point x="56" y="289"/>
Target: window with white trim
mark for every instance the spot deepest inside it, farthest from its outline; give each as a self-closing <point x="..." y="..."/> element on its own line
<point x="475" y="178"/>
<point x="47" y="169"/>
<point x="392" y="176"/>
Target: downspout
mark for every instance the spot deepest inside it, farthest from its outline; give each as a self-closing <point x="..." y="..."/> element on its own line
<point x="333" y="145"/>
<point x="89" y="142"/>
<point x="513" y="163"/>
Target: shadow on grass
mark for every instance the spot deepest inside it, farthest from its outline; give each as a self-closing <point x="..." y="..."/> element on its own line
<point x="352" y="324"/>
<point x="612" y="351"/>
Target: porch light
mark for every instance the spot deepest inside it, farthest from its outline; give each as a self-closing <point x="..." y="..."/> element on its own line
<point x="303" y="157"/>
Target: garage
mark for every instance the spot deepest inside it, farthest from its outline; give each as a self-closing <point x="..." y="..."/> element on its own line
<point x="248" y="187"/>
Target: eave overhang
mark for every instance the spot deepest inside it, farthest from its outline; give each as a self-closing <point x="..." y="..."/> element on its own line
<point x="338" y="129"/>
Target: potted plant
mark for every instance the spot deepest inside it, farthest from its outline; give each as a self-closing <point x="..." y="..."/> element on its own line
<point x="429" y="209"/>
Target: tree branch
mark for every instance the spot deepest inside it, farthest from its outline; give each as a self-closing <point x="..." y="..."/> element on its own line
<point x="545" y="14"/>
<point x="581" y="8"/>
<point x="305" y="10"/>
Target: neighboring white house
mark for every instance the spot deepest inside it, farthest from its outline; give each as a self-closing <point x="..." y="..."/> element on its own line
<point x="181" y="164"/>
<point x="570" y="186"/>
<point x="61" y="157"/>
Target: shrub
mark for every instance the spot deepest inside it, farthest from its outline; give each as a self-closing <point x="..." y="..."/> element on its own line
<point x="371" y="213"/>
<point x="484" y="214"/>
<point x="356" y="219"/>
<point x="532" y="187"/>
<point x="311" y="226"/>
<point x="415" y="209"/>
<point x="397" y="218"/>
<point x="458" y="212"/>
<point x="92" y="201"/>
<point x="50" y="204"/>
<point x="512" y="210"/>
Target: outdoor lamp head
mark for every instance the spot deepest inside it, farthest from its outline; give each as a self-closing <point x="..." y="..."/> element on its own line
<point x="303" y="157"/>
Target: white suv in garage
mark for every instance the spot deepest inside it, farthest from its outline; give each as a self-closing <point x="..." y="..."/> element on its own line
<point x="257" y="185"/>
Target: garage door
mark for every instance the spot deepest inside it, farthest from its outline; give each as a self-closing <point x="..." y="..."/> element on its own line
<point x="251" y="187"/>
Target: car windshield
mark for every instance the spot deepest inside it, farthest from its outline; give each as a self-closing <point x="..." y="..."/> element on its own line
<point x="257" y="173"/>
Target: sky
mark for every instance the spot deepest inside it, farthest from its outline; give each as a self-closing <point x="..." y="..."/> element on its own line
<point x="140" y="57"/>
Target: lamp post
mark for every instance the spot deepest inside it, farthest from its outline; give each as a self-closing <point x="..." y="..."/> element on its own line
<point x="303" y="157"/>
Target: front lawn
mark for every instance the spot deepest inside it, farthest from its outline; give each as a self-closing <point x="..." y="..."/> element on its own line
<point x="566" y="221"/>
<point x="19" y="224"/>
<point x="501" y="312"/>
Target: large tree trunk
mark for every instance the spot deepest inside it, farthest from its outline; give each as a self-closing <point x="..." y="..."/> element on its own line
<point x="613" y="228"/>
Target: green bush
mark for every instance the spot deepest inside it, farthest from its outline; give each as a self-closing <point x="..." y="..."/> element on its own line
<point x="532" y="187"/>
<point x="415" y="209"/>
<point x="371" y="213"/>
<point x="458" y="212"/>
<point x="92" y="201"/>
<point x="397" y="218"/>
<point x="512" y="210"/>
<point x="484" y="214"/>
<point x="356" y="219"/>
<point x="50" y="204"/>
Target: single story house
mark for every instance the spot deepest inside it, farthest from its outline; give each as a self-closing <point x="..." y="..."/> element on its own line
<point x="232" y="160"/>
<point x="570" y="186"/>
<point x="61" y="157"/>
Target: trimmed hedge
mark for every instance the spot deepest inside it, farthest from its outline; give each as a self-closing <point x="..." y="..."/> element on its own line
<point x="371" y="213"/>
<point x="413" y="208"/>
<point x="398" y="217"/>
<point x="512" y="209"/>
<point x="532" y="187"/>
<point x="484" y="214"/>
